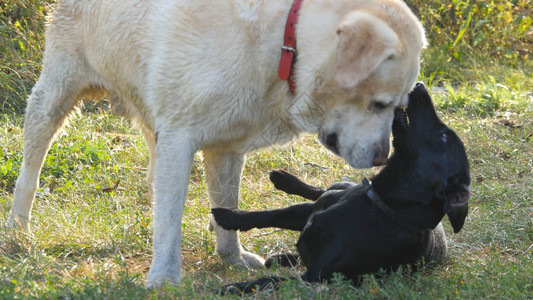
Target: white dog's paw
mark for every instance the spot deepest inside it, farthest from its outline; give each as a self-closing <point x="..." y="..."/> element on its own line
<point x="156" y="281"/>
<point x="16" y="222"/>
<point x="253" y="260"/>
<point x="245" y="259"/>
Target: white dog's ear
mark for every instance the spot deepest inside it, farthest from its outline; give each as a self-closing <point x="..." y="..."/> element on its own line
<point x="364" y="43"/>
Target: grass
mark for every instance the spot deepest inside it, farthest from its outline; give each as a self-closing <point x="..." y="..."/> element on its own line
<point x="89" y="240"/>
<point x="87" y="243"/>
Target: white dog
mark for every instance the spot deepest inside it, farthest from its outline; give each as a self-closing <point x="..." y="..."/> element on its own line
<point x="202" y="75"/>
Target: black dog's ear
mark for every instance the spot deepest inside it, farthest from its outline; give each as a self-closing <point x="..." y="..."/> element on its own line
<point x="456" y="205"/>
<point x="457" y="217"/>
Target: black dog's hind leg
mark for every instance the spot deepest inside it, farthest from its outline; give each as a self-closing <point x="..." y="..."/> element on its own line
<point x="290" y="184"/>
<point x="293" y="217"/>
<point x="283" y="260"/>
<point x="247" y="287"/>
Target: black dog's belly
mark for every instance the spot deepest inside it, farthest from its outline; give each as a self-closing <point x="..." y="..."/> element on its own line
<point x="329" y="240"/>
<point x="353" y="238"/>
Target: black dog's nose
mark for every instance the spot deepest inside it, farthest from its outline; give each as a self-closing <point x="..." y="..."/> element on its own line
<point x="331" y="141"/>
<point x="420" y="86"/>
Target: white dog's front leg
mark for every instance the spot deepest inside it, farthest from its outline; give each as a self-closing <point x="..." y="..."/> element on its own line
<point x="223" y="173"/>
<point x="173" y="162"/>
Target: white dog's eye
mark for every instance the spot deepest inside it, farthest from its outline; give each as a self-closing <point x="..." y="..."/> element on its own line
<point x="380" y="106"/>
<point x="377" y="106"/>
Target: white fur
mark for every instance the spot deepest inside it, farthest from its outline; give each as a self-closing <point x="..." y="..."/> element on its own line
<point x="202" y="75"/>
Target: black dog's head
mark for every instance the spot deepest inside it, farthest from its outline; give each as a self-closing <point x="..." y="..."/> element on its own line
<point x="435" y="154"/>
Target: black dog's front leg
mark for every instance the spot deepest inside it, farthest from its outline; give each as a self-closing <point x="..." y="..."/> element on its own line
<point x="290" y="184"/>
<point x="293" y="217"/>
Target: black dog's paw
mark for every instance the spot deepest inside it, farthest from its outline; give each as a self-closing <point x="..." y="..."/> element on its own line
<point x="230" y="289"/>
<point x="230" y="219"/>
<point x="285" y="181"/>
<point x="283" y="260"/>
<point x="247" y="287"/>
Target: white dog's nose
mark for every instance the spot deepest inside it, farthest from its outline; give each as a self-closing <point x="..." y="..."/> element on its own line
<point x="381" y="154"/>
<point x="380" y="160"/>
<point x="332" y="141"/>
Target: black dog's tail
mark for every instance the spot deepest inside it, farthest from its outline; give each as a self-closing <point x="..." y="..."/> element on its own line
<point x="248" y="287"/>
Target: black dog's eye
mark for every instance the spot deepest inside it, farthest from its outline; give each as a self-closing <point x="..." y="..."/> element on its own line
<point x="444" y="137"/>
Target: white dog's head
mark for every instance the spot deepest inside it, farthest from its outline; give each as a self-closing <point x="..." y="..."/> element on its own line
<point x="374" y="68"/>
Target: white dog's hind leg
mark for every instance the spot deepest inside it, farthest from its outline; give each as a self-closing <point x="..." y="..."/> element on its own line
<point x="150" y="139"/>
<point x="120" y="107"/>
<point x="173" y="162"/>
<point x="223" y="173"/>
<point x="52" y="99"/>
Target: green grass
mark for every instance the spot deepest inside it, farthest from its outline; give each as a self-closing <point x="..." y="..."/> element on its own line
<point x="89" y="243"/>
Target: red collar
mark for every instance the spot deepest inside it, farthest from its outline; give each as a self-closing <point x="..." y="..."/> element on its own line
<point x="288" y="50"/>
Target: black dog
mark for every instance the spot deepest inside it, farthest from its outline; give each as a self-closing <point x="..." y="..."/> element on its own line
<point x="360" y="229"/>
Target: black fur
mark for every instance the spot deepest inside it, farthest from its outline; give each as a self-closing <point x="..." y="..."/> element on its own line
<point x="346" y="231"/>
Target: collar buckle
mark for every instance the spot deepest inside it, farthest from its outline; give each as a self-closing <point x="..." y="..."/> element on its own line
<point x="288" y="48"/>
